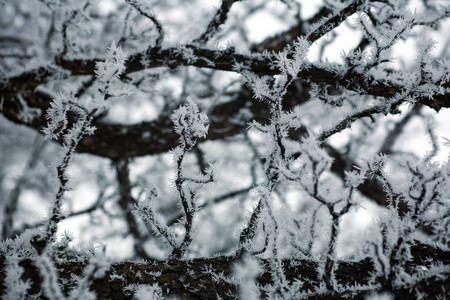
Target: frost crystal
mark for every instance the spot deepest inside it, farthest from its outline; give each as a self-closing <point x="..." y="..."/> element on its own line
<point x="16" y="288"/>
<point x="189" y="123"/>
<point x="148" y="292"/>
<point x="245" y="272"/>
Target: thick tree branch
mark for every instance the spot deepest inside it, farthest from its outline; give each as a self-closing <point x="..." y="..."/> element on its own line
<point x="223" y="60"/>
<point x="208" y="278"/>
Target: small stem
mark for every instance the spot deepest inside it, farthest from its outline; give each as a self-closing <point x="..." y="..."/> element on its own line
<point x="188" y="209"/>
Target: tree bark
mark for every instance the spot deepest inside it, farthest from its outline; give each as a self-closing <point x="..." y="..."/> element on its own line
<point x="208" y="278"/>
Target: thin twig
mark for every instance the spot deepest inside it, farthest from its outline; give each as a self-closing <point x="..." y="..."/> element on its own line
<point x="219" y="18"/>
<point x="151" y="17"/>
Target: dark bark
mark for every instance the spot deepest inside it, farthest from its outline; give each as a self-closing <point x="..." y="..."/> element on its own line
<point x="191" y="280"/>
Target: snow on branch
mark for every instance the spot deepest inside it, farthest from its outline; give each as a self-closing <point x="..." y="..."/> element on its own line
<point x="143" y="8"/>
<point x="190" y="124"/>
<point x="218" y="19"/>
<point x="57" y="116"/>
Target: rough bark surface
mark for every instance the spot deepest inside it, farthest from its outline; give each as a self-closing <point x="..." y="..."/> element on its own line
<point x="199" y="278"/>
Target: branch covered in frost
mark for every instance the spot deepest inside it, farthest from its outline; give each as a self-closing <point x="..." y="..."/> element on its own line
<point x="143" y="8"/>
<point x="51" y="284"/>
<point x="153" y="221"/>
<point x="263" y="220"/>
<point x="16" y="287"/>
<point x="106" y="72"/>
<point x="218" y="19"/>
<point x="426" y="196"/>
<point x="333" y="19"/>
<point x="190" y="125"/>
<point x="205" y="277"/>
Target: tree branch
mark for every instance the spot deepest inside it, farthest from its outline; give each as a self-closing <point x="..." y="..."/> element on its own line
<point x="222" y="60"/>
<point x="126" y="202"/>
<point x="208" y="278"/>
<point x="219" y="18"/>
